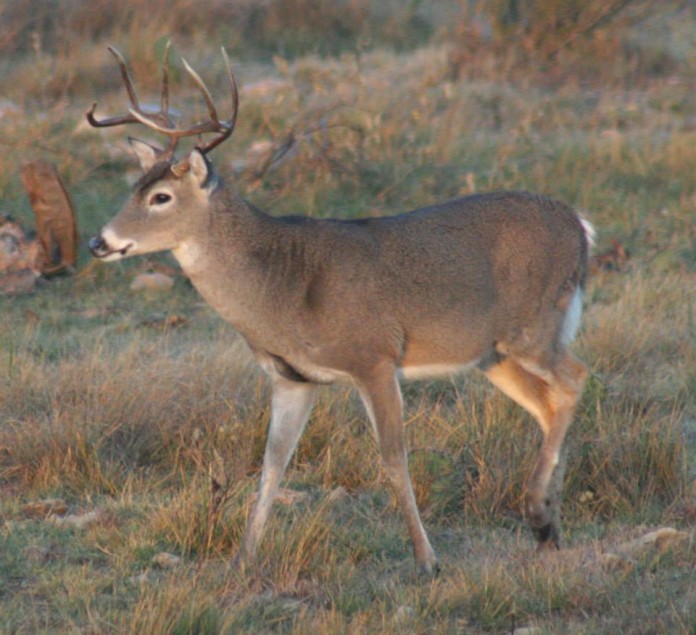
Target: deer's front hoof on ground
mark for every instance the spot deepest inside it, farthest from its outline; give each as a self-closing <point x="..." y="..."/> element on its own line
<point x="548" y="538"/>
<point x="430" y="570"/>
<point x="428" y="564"/>
<point x="543" y="524"/>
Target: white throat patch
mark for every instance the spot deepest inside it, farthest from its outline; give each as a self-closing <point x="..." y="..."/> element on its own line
<point x="188" y="254"/>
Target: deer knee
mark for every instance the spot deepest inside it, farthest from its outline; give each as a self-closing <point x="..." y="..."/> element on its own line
<point x="395" y="466"/>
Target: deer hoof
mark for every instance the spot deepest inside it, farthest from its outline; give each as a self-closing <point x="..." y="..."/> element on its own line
<point x="429" y="567"/>
<point x="548" y="538"/>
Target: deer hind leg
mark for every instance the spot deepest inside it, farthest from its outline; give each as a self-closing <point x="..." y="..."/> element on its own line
<point x="291" y="403"/>
<point x="382" y="398"/>
<point x="550" y="394"/>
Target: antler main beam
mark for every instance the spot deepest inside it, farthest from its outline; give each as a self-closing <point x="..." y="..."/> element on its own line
<point x="161" y="121"/>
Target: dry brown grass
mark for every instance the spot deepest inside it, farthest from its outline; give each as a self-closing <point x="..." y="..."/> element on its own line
<point x="103" y="410"/>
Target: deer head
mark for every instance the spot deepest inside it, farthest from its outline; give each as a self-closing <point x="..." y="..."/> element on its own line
<point x="168" y="185"/>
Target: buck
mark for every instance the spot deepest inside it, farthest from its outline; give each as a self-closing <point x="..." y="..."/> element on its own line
<point x="490" y="281"/>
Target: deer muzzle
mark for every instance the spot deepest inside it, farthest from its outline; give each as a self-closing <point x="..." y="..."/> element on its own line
<point x="101" y="249"/>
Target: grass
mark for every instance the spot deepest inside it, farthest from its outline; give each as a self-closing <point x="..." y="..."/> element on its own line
<point x="106" y="407"/>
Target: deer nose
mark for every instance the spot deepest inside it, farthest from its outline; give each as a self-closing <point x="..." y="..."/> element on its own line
<point x="97" y="245"/>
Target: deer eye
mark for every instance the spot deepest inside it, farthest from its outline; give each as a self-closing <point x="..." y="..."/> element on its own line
<point x="160" y="199"/>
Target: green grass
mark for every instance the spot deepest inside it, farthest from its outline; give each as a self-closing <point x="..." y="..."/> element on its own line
<point x="104" y="408"/>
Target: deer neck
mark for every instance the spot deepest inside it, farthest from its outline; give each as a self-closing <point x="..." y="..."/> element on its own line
<point x="221" y="260"/>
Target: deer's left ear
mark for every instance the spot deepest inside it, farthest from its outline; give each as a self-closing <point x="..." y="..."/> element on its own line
<point x="198" y="167"/>
<point x="201" y="170"/>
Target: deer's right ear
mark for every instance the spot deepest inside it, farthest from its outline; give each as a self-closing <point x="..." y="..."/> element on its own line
<point x="147" y="155"/>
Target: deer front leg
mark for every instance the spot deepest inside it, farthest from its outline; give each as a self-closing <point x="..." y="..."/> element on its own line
<point x="291" y="404"/>
<point x="381" y="395"/>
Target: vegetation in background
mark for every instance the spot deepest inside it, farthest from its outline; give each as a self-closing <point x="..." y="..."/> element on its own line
<point x="125" y="405"/>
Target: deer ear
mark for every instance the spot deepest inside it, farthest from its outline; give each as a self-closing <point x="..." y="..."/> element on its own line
<point x="201" y="170"/>
<point x="147" y="155"/>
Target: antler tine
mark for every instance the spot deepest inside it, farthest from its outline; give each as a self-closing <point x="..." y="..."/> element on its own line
<point x="215" y="125"/>
<point x="203" y="88"/>
<point x="116" y="121"/>
<point x="233" y="87"/>
<point x="126" y="77"/>
<point x="164" y="101"/>
<point x="230" y="124"/>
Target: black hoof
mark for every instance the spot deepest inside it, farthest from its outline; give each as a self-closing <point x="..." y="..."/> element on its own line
<point x="430" y="570"/>
<point x="548" y="537"/>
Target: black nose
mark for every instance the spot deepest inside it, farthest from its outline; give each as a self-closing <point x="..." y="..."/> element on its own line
<point x="97" y="245"/>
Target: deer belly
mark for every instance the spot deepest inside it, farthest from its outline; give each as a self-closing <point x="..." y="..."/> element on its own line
<point x="427" y="371"/>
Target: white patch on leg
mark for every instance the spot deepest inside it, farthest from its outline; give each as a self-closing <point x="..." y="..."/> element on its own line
<point x="571" y="322"/>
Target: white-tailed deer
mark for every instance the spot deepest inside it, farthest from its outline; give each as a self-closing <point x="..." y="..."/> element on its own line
<point x="490" y="281"/>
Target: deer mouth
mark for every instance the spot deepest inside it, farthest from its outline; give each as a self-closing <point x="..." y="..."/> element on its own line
<point x="100" y="249"/>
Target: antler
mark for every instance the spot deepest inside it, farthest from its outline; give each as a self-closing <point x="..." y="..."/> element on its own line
<point x="161" y="121"/>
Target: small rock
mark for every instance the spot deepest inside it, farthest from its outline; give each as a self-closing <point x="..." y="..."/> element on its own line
<point x="165" y="560"/>
<point x="154" y="281"/>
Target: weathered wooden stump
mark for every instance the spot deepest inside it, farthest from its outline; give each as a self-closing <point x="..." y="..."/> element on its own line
<point x="56" y="225"/>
